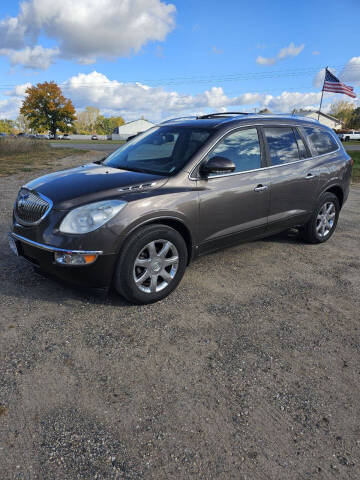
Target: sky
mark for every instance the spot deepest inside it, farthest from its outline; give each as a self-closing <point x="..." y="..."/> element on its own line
<point x="161" y="59"/>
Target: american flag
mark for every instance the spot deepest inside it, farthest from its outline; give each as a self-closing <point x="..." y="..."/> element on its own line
<point x="333" y="84"/>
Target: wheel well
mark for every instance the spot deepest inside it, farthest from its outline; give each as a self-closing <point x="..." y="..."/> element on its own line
<point x="179" y="227"/>
<point x="338" y="192"/>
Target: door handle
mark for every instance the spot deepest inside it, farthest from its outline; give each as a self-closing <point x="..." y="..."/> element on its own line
<point x="310" y="175"/>
<point x="260" y="188"/>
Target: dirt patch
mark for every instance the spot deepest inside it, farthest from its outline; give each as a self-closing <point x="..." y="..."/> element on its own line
<point x="249" y="370"/>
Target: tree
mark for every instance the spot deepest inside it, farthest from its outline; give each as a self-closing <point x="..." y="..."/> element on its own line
<point x="46" y="108"/>
<point x="87" y="120"/>
<point x="22" y="124"/>
<point x="355" y="119"/>
<point x="7" y="126"/>
<point x="106" y="125"/>
<point x="342" y="110"/>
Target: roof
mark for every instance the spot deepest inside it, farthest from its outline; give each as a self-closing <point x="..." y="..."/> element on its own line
<point x="331" y="117"/>
<point x="138" y="120"/>
<point x="224" y="119"/>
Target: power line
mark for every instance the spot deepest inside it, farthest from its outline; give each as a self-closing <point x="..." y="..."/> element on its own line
<point x="201" y="79"/>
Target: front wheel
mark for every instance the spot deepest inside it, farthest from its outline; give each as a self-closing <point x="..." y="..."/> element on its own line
<point x="151" y="264"/>
<point x="323" y="222"/>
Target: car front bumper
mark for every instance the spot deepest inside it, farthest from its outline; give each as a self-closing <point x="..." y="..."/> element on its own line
<point x="95" y="275"/>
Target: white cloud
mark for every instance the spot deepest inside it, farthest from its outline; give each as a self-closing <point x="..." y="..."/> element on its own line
<point x="87" y="29"/>
<point x="9" y="106"/>
<point x="290" y="51"/>
<point x="135" y="99"/>
<point x="265" y="60"/>
<point x="216" y="50"/>
<point x="36" y="57"/>
<point x="351" y="72"/>
<point x="132" y="100"/>
<point x="287" y="101"/>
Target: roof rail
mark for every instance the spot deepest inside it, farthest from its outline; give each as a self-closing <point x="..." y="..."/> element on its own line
<point x="177" y="118"/>
<point x="221" y="114"/>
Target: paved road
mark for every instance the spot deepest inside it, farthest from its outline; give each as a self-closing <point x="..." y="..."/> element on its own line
<point x="100" y="147"/>
<point x="352" y="147"/>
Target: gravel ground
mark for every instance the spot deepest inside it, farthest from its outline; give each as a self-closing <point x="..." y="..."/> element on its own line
<point x="249" y="370"/>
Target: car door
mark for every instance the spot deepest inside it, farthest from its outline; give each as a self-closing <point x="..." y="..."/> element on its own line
<point x="234" y="206"/>
<point x="294" y="177"/>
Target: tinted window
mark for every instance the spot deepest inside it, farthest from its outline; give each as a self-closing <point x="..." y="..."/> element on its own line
<point x="301" y="146"/>
<point x="160" y="150"/>
<point x="282" y="144"/>
<point x="321" y="140"/>
<point x="242" y="148"/>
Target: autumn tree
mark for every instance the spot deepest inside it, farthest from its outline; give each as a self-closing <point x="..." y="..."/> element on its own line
<point x="45" y="107"/>
<point x="106" y="125"/>
<point x="7" y="126"/>
<point x="86" y="120"/>
<point x="344" y="111"/>
<point x="22" y="124"/>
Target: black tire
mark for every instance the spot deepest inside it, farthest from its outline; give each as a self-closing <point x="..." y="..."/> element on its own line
<point x="309" y="232"/>
<point x="126" y="271"/>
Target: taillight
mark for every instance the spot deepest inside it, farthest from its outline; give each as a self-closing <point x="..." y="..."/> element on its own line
<point x="352" y="161"/>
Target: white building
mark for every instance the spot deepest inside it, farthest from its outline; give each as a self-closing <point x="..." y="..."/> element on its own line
<point x="325" y="119"/>
<point x="123" y="132"/>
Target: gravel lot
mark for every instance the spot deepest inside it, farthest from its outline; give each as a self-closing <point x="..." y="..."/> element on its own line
<point x="250" y="370"/>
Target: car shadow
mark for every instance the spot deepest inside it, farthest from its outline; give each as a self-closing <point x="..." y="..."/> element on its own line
<point x="26" y="281"/>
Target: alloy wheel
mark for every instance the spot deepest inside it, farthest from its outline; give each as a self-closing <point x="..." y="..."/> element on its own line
<point x="325" y="219"/>
<point x="155" y="266"/>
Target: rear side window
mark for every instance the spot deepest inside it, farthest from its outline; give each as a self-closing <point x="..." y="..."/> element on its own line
<point x="321" y="140"/>
<point x="241" y="147"/>
<point x="283" y="145"/>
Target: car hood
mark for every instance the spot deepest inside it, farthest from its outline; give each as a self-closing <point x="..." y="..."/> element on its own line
<point x="92" y="182"/>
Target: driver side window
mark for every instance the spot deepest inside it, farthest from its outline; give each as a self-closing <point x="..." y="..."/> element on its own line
<point x="241" y="147"/>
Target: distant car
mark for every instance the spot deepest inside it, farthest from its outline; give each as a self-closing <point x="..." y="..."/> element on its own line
<point x="2" y="134"/>
<point x="22" y="134"/>
<point x="40" y="137"/>
<point x="352" y="135"/>
<point x="94" y="137"/>
<point x="66" y="136"/>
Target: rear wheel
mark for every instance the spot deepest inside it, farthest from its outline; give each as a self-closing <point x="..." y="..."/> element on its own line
<point x="151" y="264"/>
<point x="323" y="222"/>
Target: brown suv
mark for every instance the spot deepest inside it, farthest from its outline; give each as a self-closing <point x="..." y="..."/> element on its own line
<point x="179" y="190"/>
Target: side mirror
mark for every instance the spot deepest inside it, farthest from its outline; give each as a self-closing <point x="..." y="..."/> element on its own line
<point x="217" y="165"/>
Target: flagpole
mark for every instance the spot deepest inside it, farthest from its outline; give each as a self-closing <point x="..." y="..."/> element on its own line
<point x="322" y="94"/>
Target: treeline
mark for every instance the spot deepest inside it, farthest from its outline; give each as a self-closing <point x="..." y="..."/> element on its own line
<point x="88" y="122"/>
<point x="348" y="113"/>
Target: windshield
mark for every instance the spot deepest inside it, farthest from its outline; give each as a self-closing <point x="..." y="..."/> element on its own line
<point x="160" y="150"/>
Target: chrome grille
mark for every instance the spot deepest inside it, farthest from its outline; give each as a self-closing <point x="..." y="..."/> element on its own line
<point x="31" y="207"/>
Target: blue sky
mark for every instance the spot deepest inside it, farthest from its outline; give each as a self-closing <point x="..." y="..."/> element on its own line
<point x="160" y="58"/>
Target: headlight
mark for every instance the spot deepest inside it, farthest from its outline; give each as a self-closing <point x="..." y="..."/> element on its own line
<point x="89" y="217"/>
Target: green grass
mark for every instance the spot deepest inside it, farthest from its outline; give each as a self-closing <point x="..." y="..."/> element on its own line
<point x="356" y="168"/>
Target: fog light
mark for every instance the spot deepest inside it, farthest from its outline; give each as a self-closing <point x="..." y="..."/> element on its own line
<point x="74" y="258"/>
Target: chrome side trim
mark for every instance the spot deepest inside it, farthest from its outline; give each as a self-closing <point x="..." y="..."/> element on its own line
<point x="48" y="248"/>
<point x="261" y="168"/>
